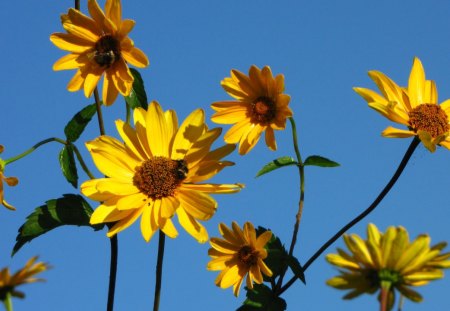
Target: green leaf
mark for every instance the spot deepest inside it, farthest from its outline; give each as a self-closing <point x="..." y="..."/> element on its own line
<point x="68" y="166"/>
<point x="261" y="298"/>
<point x="71" y="209"/>
<point x="78" y="123"/>
<point x="296" y="268"/>
<point x="276" y="164"/>
<point x="320" y="161"/>
<point x="276" y="255"/>
<point x="138" y="96"/>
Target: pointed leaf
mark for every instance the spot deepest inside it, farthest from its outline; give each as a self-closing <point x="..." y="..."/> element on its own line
<point x="78" y="123"/>
<point x="71" y="209"/>
<point x="320" y="161"/>
<point x="296" y="268"/>
<point x="276" y="164"/>
<point x="138" y="96"/>
<point x="276" y="255"/>
<point x="68" y="166"/>
<point x="261" y="298"/>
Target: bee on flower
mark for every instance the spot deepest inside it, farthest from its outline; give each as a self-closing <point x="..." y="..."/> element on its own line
<point x="99" y="46"/>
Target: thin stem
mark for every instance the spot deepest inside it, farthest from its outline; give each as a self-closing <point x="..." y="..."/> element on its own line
<point x="400" y="303"/>
<point x="27" y="152"/>
<point x="112" y="272"/>
<point x="159" y="266"/>
<point x="113" y="240"/>
<point x="8" y="302"/>
<point x="82" y="163"/>
<point x="77" y="5"/>
<point x="384" y="296"/>
<point x="298" y="216"/>
<point x="101" y="126"/>
<point x="128" y="113"/>
<point x="361" y="216"/>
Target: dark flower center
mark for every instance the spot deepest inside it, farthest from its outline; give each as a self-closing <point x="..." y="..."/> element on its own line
<point x="159" y="177"/>
<point x="263" y="110"/>
<point x="429" y="118"/>
<point x="247" y="255"/>
<point x="107" y="51"/>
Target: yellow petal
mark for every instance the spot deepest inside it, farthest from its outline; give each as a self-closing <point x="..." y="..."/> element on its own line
<point x="91" y="81"/>
<point x="109" y="92"/>
<point x="76" y="83"/>
<point x="132" y="201"/>
<point x="124" y="223"/>
<point x="71" y="43"/>
<point x="197" y="204"/>
<point x="168" y="228"/>
<point x="392" y="132"/>
<point x="148" y="227"/>
<point x="129" y="136"/>
<point x="157" y="132"/>
<point x="236" y="132"/>
<point x="188" y="133"/>
<point x="113" y="11"/>
<point x="270" y="139"/>
<point x="416" y="83"/>
<point x="192" y="226"/>
<point x="68" y="61"/>
<point x="135" y="57"/>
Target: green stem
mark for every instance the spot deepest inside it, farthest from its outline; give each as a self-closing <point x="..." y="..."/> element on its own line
<point x="298" y="216"/>
<point x="400" y="303"/>
<point x="77" y="5"/>
<point x="23" y="154"/>
<point x="113" y="240"/>
<point x="128" y="113"/>
<point x="112" y="272"/>
<point x="384" y="299"/>
<point x="159" y="266"/>
<point x="415" y="142"/>
<point x="82" y="163"/>
<point x="8" y="302"/>
<point x="98" y="104"/>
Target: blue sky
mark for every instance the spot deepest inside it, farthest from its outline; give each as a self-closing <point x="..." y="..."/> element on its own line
<point x="324" y="48"/>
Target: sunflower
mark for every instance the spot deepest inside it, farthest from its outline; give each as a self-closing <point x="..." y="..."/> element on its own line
<point x="8" y="282"/>
<point x="156" y="172"/>
<point x="99" y="45"/>
<point x="261" y="106"/>
<point x="240" y="253"/>
<point x="388" y="258"/>
<point x="10" y="181"/>
<point x="416" y="107"/>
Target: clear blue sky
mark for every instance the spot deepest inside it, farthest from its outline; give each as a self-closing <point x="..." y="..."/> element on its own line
<point x="324" y="48"/>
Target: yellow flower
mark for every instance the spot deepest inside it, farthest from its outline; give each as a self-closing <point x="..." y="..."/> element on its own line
<point x="10" y="181"/>
<point x="9" y="282"/>
<point x="261" y="106"/>
<point x="416" y="107"/>
<point x="99" y="45"/>
<point x="240" y="253"/>
<point x="388" y="258"/>
<point x="156" y="172"/>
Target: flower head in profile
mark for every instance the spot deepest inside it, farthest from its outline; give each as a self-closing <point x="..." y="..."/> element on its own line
<point x="416" y="107"/>
<point x="8" y="282"/>
<point x="99" y="45"/>
<point x="157" y="173"/>
<point x="238" y="254"/>
<point x="260" y="106"/>
<point x="389" y="260"/>
<point x="10" y="181"/>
